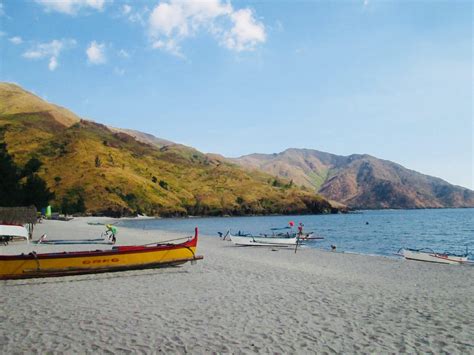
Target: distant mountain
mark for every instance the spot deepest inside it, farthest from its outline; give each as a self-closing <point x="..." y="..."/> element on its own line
<point x="101" y="170"/>
<point x="360" y="181"/>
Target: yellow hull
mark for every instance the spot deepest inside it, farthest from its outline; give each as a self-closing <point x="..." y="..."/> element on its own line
<point x="120" y="258"/>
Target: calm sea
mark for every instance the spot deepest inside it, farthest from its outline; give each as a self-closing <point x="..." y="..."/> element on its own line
<point x="368" y="232"/>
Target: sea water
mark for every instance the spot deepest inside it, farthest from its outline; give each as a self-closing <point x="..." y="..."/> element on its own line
<point x="381" y="232"/>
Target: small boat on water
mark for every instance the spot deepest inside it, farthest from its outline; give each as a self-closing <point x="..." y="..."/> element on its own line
<point x="118" y="258"/>
<point x="428" y="255"/>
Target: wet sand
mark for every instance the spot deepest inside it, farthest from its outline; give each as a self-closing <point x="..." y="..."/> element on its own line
<point x="241" y="300"/>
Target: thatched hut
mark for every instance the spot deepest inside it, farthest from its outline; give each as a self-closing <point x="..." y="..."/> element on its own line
<point x="19" y="215"/>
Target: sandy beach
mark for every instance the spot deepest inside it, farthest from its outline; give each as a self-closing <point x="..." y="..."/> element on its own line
<point x="241" y="300"/>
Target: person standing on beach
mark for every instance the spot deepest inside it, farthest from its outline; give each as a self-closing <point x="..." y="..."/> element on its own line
<point x="113" y="231"/>
<point x="300" y="229"/>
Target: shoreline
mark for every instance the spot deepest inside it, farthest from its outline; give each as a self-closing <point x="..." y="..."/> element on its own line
<point x="242" y="300"/>
<point x="350" y="211"/>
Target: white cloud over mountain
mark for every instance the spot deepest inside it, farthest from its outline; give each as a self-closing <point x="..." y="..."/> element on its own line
<point x="173" y="21"/>
<point x="51" y="50"/>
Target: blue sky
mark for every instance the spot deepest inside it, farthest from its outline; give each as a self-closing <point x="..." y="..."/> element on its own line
<point x="388" y="78"/>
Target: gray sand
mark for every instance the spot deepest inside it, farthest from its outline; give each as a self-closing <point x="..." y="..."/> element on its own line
<point x="241" y="300"/>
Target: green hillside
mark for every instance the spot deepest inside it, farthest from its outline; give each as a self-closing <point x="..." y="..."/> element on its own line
<point x="102" y="171"/>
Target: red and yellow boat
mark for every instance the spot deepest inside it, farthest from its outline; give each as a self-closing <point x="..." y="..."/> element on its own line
<point x="119" y="258"/>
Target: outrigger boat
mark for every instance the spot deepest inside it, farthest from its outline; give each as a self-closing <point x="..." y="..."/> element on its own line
<point x="118" y="258"/>
<point x="250" y="240"/>
<point x="429" y="255"/>
<point x="304" y="236"/>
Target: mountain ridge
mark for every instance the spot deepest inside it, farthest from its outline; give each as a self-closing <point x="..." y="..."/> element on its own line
<point x="92" y="168"/>
<point x="360" y="180"/>
<point x="357" y="180"/>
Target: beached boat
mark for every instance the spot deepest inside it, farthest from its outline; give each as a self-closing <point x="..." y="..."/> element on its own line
<point x="304" y="236"/>
<point x="10" y="230"/>
<point x="118" y="258"/>
<point x="429" y="255"/>
<point x="250" y="240"/>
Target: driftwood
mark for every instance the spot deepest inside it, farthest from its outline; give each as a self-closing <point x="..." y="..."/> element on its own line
<point x="18" y="215"/>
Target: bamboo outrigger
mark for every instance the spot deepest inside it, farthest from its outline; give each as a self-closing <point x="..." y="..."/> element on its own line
<point x="428" y="255"/>
<point x="119" y="258"/>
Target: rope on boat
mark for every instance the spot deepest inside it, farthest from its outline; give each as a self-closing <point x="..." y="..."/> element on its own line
<point x="35" y="256"/>
<point x="167" y="242"/>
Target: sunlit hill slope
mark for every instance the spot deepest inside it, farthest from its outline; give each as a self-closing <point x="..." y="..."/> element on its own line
<point x="115" y="173"/>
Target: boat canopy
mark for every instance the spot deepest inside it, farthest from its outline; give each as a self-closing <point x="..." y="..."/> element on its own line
<point x="13" y="231"/>
<point x="17" y="217"/>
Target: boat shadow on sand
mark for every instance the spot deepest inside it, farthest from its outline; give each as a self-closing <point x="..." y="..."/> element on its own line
<point x="157" y="272"/>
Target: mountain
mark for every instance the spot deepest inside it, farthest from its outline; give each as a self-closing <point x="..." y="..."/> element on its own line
<point x="14" y="100"/>
<point x="143" y="137"/>
<point x="96" y="169"/>
<point x="360" y="181"/>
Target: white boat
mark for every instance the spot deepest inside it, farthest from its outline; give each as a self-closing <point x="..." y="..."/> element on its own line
<point x="250" y="240"/>
<point x="429" y="255"/>
<point x="10" y="232"/>
<point x="304" y="236"/>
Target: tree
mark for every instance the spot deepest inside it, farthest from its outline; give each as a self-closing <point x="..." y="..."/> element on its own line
<point x="10" y="188"/>
<point x="73" y="201"/>
<point x="163" y="184"/>
<point x="57" y="180"/>
<point x="31" y="167"/>
<point x="36" y="192"/>
<point x="33" y="191"/>
<point x="98" y="162"/>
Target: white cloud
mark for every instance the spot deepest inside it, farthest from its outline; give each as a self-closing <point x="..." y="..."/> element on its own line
<point x="71" y="7"/>
<point x="170" y="46"/>
<point x="2" y="10"/>
<point x="123" y="53"/>
<point x="16" y="40"/>
<point x="51" y="50"/>
<point x="96" y="53"/>
<point x="173" y="21"/>
<point x="126" y="9"/>
<point x="53" y="63"/>
<point x="366" y="2"/>
<point x="133" y="15"/>
<point x="246" y="32"/>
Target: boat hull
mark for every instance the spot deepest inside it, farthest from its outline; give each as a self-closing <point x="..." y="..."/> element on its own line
<point x="117" y="259"/>
<point x="13" y="231"/>
<point x="433" y="257"/>
<point x="263" y="241"/>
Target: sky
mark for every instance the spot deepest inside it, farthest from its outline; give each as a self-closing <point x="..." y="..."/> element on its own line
<point x="393" y="79"/>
